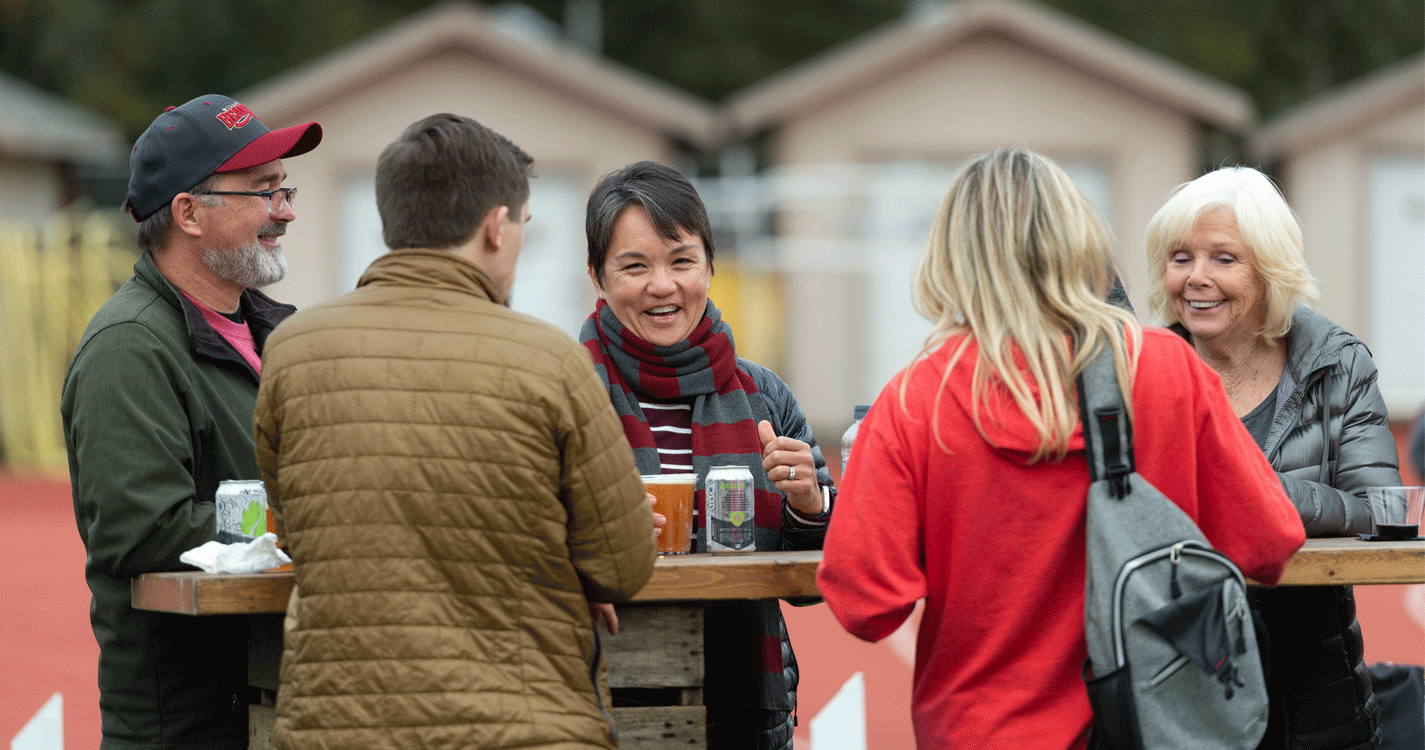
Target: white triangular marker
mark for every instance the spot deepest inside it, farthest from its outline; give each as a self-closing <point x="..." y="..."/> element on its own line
<point x="44" y="730"/>
<point x="841" y="723"/>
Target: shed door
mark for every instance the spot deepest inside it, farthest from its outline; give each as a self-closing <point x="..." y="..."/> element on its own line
<point x="1397" y="298"/>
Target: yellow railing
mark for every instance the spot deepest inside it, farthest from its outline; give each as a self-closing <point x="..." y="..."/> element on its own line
<point x="52" y="280"/>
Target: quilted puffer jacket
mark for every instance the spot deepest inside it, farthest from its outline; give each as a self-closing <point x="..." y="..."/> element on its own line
<point x="1329" y="442"/>
<point x="453" y="487"/>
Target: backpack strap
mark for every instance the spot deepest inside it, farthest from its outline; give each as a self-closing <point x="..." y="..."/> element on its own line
<point x="1108" y="437"/>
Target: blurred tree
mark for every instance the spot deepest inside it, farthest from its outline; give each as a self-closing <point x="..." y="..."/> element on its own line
<point x="712" y="48"/>
<point x="130" y="58"/>
<point x="1278" y="51"/>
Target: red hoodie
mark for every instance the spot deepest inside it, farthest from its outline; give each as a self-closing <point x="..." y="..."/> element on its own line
<point x="996" y="546"/>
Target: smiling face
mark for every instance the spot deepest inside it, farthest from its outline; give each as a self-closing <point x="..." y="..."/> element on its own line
<point x="656" y="287"/>
<point x="1213" y="283"/>
<point x="241" y="238"/>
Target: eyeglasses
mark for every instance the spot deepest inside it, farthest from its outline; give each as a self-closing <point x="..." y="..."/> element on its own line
<point x="275" y="198"/>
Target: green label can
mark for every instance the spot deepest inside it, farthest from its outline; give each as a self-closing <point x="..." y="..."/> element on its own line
<point x="241" y="510"/>
<point x="731" y="505"/>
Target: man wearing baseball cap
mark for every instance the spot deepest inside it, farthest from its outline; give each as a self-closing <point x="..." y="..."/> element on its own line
<point x="157" y="410"/>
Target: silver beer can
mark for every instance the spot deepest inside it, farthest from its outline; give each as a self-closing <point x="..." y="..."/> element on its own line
<point x="731" y="504"/>
<point x="241" y="510"/>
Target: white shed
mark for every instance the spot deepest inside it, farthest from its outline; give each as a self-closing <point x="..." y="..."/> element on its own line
<point x="863" y="141"/>
<point x="578" y="115"/>
<point x="43" y="139"/>
<point x="1352" y="166"/>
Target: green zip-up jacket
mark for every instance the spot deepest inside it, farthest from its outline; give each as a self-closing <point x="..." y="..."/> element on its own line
<point x="157" y="410"/>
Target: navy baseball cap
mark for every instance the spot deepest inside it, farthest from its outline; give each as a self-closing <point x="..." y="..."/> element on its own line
<point x="207" y="135"/>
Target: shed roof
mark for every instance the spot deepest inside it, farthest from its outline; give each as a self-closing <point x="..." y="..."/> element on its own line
<point x="35" y="124"/>
<point x="862" y="63"/>
<point x="1344" y="109"/>
<point x="461" y="26"/>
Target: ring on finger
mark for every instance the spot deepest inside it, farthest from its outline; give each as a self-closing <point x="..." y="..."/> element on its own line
<point x="792" y="473"/>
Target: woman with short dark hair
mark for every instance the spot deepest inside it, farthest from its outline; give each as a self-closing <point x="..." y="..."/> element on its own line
<point x="688" y="402"/>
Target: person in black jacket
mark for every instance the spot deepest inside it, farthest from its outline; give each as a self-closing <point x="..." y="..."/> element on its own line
<point x="1227" y="273"/>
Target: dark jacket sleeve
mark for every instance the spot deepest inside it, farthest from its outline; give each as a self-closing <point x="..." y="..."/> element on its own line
<point x="130" y="454"/>
<point x="1366" y="453"/>
<point x="789" y="420"/>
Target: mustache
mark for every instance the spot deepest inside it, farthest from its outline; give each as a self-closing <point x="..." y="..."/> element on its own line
<point x="273" y="229"/>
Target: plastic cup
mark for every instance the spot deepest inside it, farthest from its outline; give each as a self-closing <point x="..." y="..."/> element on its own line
<point x="1396" y="511"/>
<point x="673" y="494"/>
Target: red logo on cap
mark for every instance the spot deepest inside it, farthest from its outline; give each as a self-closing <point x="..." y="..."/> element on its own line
<point x="236" y="116"/>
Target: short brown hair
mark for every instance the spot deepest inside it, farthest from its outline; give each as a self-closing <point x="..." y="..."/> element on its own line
<point x="438" y="180"/>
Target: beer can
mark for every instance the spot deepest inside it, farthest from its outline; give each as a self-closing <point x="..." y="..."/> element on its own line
<point x="242" y="510"/>
<point x="731" y="504"/>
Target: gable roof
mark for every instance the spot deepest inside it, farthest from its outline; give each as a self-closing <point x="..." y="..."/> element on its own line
<point x="1344" y="109"/>
<point x="461" y="26"/>
<point x="35" y="124"/>
<point x="901" y="44"/>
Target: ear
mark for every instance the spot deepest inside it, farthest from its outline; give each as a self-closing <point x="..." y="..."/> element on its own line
<point x="493" y="227"/>
<point x="186" y="214"/>
<point x="598" y="288"/>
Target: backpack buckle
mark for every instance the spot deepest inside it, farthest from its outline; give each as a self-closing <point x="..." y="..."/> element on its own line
<point x="1116" y="465"/>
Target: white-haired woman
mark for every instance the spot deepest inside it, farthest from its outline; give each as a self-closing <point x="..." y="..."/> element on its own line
<point x="967" y="486"/>
<point x="1228" y="275"/>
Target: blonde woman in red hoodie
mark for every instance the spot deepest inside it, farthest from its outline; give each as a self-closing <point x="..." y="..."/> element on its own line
<point x="967" y="486"/>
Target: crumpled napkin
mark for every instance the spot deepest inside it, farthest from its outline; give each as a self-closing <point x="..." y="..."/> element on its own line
<point x="255" y="556"/>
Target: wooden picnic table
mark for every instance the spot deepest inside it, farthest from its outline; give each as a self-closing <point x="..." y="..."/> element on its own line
<point x="660" y="642"/>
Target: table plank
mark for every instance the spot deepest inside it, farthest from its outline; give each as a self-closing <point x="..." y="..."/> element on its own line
<point x="194" y="592"/>
<point x="750" y="575"/>
<point x="755" y="575"/>
<point x="1349" y="561"/>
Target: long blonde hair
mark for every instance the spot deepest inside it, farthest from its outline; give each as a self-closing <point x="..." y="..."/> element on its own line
<point x="1017" y="260"/>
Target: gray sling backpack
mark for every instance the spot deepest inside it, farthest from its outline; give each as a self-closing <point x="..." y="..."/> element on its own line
<point x="1173" y="657"/>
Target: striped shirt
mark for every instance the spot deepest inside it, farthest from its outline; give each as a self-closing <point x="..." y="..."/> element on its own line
<point x="672" y="425"/>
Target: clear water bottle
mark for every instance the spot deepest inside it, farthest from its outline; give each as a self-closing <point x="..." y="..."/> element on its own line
<point x="849" y="437"/>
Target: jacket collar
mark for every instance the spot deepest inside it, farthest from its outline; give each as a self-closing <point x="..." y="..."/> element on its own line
<point x="431" y="268"/>
<point x="1313" y="343"/>
<point x="261" y="313"/>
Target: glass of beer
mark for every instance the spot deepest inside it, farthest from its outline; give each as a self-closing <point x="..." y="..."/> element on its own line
<point x="1396" y="511"/>
<point x="673" y="494"/>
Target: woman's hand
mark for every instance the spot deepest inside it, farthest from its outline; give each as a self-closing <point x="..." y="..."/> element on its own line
<point x="659" y="520"/>
<point x="791" y="469"/>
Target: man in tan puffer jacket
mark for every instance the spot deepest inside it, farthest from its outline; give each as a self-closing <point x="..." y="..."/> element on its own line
<point x="450" y="480"/>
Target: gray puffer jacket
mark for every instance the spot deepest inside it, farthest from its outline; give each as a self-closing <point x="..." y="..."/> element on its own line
<point x="1330" y="441"/>
<point x="1331" y="437"/>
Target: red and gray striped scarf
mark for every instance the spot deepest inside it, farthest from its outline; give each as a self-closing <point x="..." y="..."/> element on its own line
<point x="703" y="367"/>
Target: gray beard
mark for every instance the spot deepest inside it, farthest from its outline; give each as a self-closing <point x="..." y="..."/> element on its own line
<point x="250" y="266"/>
